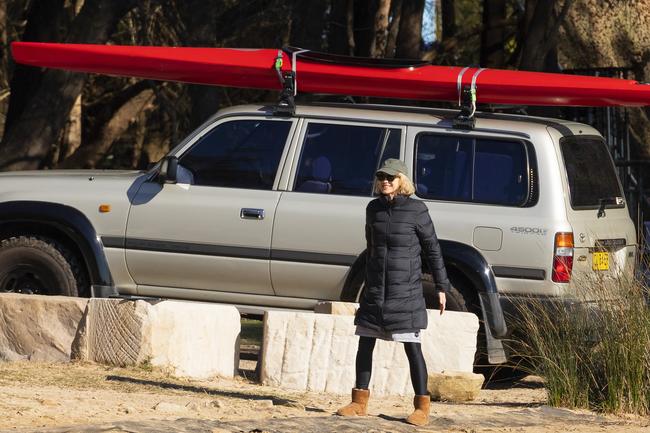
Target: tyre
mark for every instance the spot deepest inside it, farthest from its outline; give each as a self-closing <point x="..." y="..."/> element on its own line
<point x="37" y="265"/>
<point x="454" y="298"/>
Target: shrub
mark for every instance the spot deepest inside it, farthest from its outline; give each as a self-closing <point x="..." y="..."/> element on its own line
<point x="593" y="349"/>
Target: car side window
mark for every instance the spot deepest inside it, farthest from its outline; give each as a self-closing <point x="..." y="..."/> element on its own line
<point x="479" y="170"/>
<point x="443" y="168"/>
<point x="342" y="159"/>
<point x="237" y="154"/>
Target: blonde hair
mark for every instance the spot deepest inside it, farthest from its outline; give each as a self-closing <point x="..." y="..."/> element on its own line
<point x="405" y="187"/>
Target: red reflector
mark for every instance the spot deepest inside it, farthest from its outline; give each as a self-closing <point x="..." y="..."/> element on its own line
<point x="562" y="266"/>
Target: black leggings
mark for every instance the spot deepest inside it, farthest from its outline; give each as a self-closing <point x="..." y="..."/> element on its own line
<point x="416" y="363"/>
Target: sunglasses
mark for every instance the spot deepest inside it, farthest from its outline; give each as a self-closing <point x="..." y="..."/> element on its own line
<point x="383" y="176"/>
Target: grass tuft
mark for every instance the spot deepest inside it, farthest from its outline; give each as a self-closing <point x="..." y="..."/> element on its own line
<point x="593" y="349"/>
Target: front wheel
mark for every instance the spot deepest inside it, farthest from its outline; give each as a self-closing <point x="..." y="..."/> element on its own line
<point x="36" y="265"/>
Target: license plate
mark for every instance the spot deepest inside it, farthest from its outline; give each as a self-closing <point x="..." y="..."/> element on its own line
<point x="600" y="261"/>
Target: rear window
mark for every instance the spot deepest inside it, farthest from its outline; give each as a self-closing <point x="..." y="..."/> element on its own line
<point x="590" y="172"/>
<point x="471" y="169"/>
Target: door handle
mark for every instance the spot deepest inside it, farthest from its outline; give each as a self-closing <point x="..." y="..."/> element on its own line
<point x="251" y="214"/>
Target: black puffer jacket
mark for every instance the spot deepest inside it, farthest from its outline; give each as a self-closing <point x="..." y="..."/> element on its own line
<point x="396" y="233"/>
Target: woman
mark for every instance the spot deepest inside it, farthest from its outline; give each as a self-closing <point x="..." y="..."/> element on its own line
<point x="392" y="307"/>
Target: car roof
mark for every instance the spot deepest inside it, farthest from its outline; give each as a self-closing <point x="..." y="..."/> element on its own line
<point x="396" y="114"/>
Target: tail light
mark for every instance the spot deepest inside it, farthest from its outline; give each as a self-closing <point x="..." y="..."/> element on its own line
<point x="563" y="257"/>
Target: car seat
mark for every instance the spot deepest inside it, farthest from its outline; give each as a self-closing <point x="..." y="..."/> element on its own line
<point x="321" y="177"/>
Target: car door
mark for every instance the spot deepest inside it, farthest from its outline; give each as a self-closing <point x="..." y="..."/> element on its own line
<point x="319" y="223"/>
<point x="212" y="229"/>
<point x="479" y="189"/>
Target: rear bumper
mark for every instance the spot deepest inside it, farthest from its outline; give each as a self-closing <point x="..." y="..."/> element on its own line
<point x="503" y="313"/>
<point x="515" y="307"/>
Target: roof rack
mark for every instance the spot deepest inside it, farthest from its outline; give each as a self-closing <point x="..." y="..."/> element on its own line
<point x="465" y="119"/>
<point x="286" y="105"/>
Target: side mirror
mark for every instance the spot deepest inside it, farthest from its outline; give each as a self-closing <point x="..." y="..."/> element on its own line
<point x="168" y="170"/>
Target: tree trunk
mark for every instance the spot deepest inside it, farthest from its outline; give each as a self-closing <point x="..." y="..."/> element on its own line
<point x="71" y="136"/>
<point x="70" y="139"/>
<point x="43" y="24"/>
<point x="28" y="141"/>
<point x="89" y="155"/>
<point x="349" y="27"/>
<point x="380" y="40"/>
<point x="393" y="30"/>
<point x="364" y="25"/>
<point x="4" y="47"/>
<point x="409" y="39"/>
<point x="448" y="14"/>
<point x="307" y="17"/>
<point x="140" y="161"/>
<point x="540" y="33"/>
<point x="337" y="28"/>
<point x="493" y="34"/>
<point x="201" y="31"/>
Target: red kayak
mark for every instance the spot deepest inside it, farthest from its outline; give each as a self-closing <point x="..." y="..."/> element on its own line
<point x="329" y="74"/>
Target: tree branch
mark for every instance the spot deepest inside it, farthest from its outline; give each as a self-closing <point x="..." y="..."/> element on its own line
<point x="87" y="156"/>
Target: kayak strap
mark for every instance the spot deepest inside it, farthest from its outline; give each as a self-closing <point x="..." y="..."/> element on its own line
<point x="286" y="105"/>
<point x="466" y="101"/>
<point x="294" y="65"/>
<point x="339" y="60"/>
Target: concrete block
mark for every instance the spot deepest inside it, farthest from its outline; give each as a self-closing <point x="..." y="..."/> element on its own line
<point x="337" y="308"/>
<point x="38" y="327"/>
<point x="317" y="352"/>
<point x="449" y="342"/>
<point x="190" y="339"/>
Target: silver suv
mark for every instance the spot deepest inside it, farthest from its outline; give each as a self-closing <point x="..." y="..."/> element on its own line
<point x="261" y="211"/>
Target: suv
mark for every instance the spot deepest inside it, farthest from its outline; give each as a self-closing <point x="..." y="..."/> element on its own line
<point x="267" y="211"/>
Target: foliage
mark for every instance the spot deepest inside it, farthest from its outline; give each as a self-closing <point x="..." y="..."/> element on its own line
<point x="251" y="332"/>
<point x="338" y="26"/>
<point x="593" y="348"/>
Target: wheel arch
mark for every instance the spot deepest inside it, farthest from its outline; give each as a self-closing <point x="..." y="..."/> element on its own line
<point x="355" y="279"/>
<point x="63" y="223"/>
<point x="471" y="265"/>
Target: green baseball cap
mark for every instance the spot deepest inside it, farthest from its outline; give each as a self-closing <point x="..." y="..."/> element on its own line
<point x="392" y="166"/>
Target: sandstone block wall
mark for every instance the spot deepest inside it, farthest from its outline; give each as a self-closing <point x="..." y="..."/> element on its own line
<point x="191" y="339"/>
<point x="317" y="352"/>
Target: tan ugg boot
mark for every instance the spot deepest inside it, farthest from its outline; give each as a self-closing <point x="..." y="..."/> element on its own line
<point x="420" y="415"/>
<point x="359" y="405"/>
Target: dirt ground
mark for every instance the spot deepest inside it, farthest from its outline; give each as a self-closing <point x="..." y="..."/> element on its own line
<point x="49" y="397"/>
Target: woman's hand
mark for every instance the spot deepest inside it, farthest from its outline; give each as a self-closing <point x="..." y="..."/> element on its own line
<point x="442" y="301"/>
